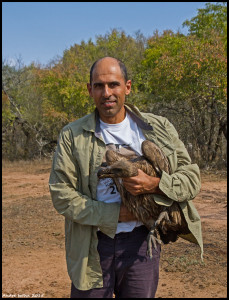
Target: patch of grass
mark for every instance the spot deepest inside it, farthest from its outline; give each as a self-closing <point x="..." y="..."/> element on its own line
<point x="213" y="175"/>
<point x="27" y="166"/>
<point x="182" y="263"/>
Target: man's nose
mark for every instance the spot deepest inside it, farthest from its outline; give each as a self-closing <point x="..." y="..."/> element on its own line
<point x="106" y="91"/>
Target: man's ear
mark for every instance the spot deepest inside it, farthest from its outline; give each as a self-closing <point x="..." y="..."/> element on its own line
<point x="128" y="87"/>
<point x="89" y="89"/>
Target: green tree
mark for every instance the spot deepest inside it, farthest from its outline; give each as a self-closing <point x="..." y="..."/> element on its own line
<point x="212" y="18"/>
<point x="64" y="84"/>
<point x="24" y="135"/>
<point x="185" y="79"/>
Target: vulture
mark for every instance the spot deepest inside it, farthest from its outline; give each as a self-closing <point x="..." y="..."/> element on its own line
<point x="164" y="223"/>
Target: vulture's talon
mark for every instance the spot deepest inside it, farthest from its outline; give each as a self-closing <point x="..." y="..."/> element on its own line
<point x="164" y="216"/>
<point x="152" y="240"/>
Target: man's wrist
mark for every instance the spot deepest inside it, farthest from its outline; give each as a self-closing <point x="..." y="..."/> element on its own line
<point x="156" y="189"/>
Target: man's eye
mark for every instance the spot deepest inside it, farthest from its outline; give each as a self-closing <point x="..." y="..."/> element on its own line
<point x="97" y="85"/>
<point x="114" y="84"/>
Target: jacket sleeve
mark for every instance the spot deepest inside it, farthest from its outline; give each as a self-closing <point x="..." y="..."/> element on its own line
<point x="68" y="201"/>
<point x="184" y="181"/>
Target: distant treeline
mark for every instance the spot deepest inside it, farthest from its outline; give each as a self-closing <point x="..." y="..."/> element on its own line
<point x="182" y="77"/>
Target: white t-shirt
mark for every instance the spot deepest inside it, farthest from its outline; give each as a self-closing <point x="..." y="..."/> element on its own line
<point x="122" y="135"/>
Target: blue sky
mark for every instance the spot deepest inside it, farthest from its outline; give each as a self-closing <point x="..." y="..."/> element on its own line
<point x="41" y="31"/>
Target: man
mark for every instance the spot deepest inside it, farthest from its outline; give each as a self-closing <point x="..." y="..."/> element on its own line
<point x="105" y="245"/>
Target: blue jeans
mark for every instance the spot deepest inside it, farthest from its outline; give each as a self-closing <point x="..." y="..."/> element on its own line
<point x="127" y="271"/>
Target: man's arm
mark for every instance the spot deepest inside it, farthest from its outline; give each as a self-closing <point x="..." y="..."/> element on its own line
<point x="184" y="182"/>
<point x="68" y="201"/>
<point x="181" y="185"/>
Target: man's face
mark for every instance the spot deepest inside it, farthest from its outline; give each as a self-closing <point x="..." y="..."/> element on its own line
<point x="108" y="89"/>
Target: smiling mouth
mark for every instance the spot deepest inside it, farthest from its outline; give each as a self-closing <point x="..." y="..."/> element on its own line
<point x="109" y="103"/>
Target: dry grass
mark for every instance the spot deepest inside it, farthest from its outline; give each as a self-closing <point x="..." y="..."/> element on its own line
<point x="28" y="166"/>
<point x="213" y="175"/>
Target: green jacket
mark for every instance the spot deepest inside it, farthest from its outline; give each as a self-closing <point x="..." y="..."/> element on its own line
<point x="73" y="181"/>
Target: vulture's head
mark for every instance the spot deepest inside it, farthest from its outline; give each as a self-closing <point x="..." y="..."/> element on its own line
<point x="120" y="169"/>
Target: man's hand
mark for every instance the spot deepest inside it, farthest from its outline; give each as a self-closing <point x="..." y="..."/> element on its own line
<point x="125" y="215"/>
<point x="142" y="184"/>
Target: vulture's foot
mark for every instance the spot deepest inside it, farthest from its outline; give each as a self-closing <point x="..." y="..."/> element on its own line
<point x="164" y="216"/>
<point x="152" y="239"/>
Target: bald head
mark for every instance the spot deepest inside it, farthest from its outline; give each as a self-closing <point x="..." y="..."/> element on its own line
<point x="111" y="61"/>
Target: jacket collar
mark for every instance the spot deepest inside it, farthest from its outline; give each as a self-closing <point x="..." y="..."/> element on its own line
<point x="91" y="122"/>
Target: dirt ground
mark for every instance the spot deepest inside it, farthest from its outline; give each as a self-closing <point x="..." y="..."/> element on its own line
<point x="33" y="251"/>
